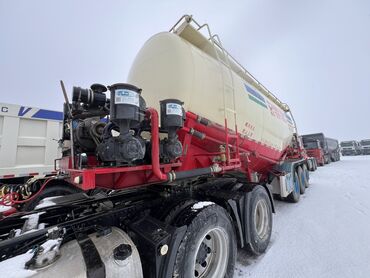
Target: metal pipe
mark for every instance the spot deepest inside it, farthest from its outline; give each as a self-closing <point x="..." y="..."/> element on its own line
<point x="71" y="119"/>
<point x="153" y="114"/>
<point x="155" y="144"/>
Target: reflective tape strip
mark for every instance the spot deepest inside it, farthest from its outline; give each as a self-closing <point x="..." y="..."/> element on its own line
<point x="7" y="176"/>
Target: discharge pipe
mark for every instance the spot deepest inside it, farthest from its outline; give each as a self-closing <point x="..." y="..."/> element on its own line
<point x="153" y="114"/>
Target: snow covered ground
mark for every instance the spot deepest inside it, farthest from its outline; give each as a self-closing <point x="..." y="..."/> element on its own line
<point x="326" y="234"/>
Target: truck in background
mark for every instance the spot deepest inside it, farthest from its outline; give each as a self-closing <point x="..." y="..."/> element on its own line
<point x="365" y="146"/>
<point x="333" y="149"/>
<point x="183" y="185"/>
<point x="313" y="149"/>
<point x="329" y="146"/>
<point x="351" y="147"/>
<point x="28" y="142"/>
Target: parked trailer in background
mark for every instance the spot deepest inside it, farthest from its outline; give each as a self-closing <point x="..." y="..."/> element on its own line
<point x="351" y="147"/>
<point x="28" y="142"/>
<point x="201" y="150"/>
<point x="365" y="146"/>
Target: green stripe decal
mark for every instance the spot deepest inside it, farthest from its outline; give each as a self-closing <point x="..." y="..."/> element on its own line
<point x="257" y="100"/>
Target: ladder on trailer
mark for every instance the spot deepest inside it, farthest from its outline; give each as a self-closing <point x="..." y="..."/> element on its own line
<point x="229" y="103"/>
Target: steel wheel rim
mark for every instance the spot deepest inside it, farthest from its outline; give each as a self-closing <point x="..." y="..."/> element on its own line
<point x="261" y="221"/>
<point x="214" y="265"/>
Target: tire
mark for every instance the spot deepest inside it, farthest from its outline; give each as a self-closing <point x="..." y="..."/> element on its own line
<point x="50" y="190"/>
<point x="315" y="162"/>
<point x="294" y="196"/>
<point x="302" y="180"/>
<point x="260" y="221"/>
<point x="209" y="247"/>
<point x="306" y="174"/>
<point x="176" y="210"/>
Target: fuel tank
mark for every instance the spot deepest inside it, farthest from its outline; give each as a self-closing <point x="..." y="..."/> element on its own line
<point x="186" y="65"/>
<point x="71" y="261"/>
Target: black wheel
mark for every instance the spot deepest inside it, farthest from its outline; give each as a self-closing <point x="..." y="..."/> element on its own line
<point x="50" y="190"/>
<point x="302" y="180"/>
<point x="295" y="195"/>
<point x="306" y="174"/>
<point x="260" y="221"/>
<point x="209" y="247"/>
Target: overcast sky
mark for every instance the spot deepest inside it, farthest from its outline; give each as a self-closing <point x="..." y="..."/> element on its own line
<point x="313" y="54"/>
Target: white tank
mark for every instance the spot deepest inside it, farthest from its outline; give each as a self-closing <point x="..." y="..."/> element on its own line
<point x="185" y="65"/>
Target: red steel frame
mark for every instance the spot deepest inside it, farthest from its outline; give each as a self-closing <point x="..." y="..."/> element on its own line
<point x="219" y="144"/>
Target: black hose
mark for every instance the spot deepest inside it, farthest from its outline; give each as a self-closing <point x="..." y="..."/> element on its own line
<point x="197" y="133"/>
<point x="203" y="121"/>
<point x="192" y="173"/>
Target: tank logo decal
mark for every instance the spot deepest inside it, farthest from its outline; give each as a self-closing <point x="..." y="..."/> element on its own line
<point x="255" y="96"/>
<point x="275" y="111"/>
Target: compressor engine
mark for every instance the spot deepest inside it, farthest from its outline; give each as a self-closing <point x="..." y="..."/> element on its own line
<point x="110" y="129"/>
<point x="127" y="111"/>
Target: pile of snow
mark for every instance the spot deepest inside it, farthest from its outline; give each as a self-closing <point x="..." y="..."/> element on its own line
<point x="5" y="208"/>
<point x="32" y="223"/>
<point x="326" y="234"/>
<point x="201" y="205"/>
<point x="15" y="267"/>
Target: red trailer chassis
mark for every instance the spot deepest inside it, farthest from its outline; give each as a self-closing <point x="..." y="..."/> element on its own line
<point x="207" y="148"/>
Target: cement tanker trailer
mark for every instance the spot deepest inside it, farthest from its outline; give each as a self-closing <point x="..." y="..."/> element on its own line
<point x="172" y="174"/>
